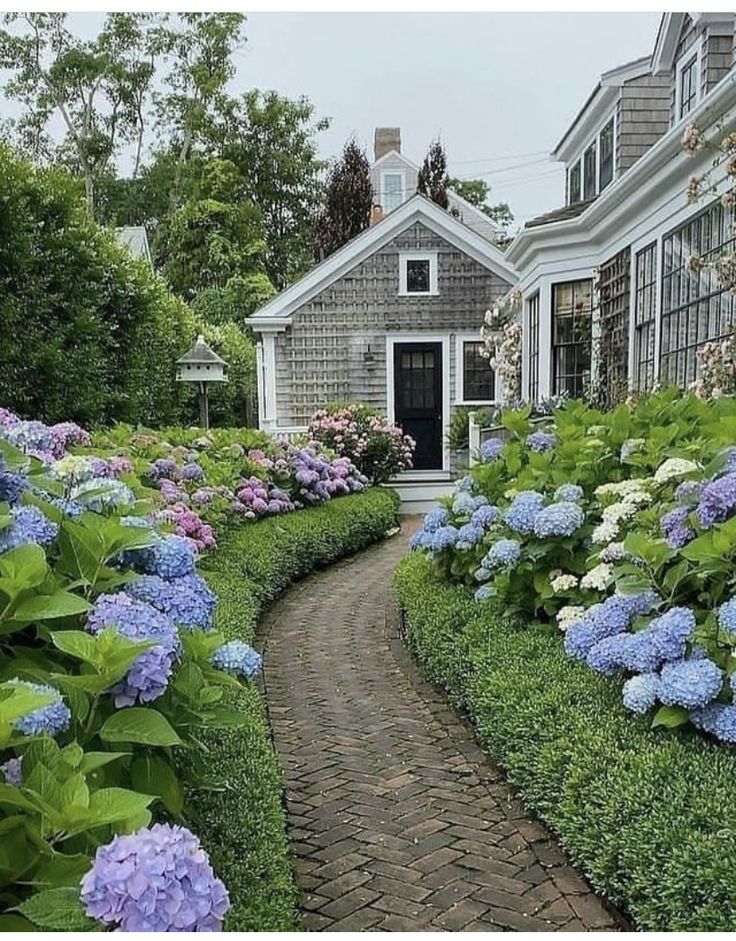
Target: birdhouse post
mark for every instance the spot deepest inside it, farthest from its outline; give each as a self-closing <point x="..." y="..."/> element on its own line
<point x="201" y="365"/>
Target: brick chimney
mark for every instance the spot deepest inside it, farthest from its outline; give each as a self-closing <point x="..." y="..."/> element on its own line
<point x="376" y="213"/>
<point x="386" y="139"/>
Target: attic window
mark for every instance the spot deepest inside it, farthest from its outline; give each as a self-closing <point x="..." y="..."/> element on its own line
<point x="605" y="156"/>
<point x="418" y="273"/>
<point x="688" y="86"/>
<point x="392" y="191"/>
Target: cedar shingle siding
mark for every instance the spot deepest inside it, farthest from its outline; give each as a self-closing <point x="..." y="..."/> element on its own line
<point x="643" y="116"/>
<point x="324" y="355"/>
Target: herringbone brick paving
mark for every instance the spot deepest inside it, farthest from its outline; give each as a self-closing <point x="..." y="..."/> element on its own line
<point x="398" y="820"/>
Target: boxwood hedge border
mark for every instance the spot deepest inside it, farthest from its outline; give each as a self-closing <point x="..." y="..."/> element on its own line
<point x="233" y="781"/>
<point x="648" y="814"/>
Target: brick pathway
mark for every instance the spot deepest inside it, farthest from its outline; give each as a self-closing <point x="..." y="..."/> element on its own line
<point x="398" y="820"/>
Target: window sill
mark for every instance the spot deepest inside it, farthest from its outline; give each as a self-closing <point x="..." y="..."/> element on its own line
<point x="418" y="294"/>
<point x="485" y="404"/>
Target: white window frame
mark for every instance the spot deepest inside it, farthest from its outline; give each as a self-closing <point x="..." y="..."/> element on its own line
<point x="431" y="257"/>
<point x="460" y="340"/>
<point x="594" y="140"/>
<point x="694" y="52"/>
<point x="402" y="200"/>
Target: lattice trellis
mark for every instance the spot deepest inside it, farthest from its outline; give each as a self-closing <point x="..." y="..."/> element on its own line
<point x="614" y="281"/>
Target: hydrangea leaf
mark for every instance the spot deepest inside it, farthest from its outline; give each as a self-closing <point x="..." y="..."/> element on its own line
<point x="57" y="910"/>
<point x="60" y="604"/>
<point x="151" y="774"/>
<point x="139" y="726"/>
<point x="670" y="717"/>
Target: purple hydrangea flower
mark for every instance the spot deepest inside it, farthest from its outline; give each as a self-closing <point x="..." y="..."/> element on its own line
<point x="238" y="657"/>
<point x="606" y="656"/>
<point x="150" y="672"/>
<point x="609" y="617"/>
<point x="12" y="486"/>
<point x="436" y="518"/>
<point x="485" y="516"/>
<point x="688" y="492"/>
<point x="28" y="525"/>
<point x="490" y="450"/>
<point x="12" y="772"/>
<point x="690" y="683"/>
<point x="158" y="879"/>
<point x="717" y="501"/>
<point x="523" y="511"/>
<point x="675" y="528"/>
<point x="541" y="441"/>
<point x="163" y="467"/>
<point x="187" y="601"/>
<point x="192" y="471"/>
<point x="51" y="719"/>
<point x="717" y="719"/>
<point x="670" y="631"/>
<point x="558" y="519"/>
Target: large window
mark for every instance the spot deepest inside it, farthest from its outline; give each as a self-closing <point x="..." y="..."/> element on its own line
<point x="688" y="86"/>
<point x="589" y="172"/>
<point x="476" y="380"/>
<point x="695" y="306"/>
<point x="392" y="186"/>
<point x="644" y="317"/>
<point x="605" y="156"/>
<point x="614" y="299"/>
<point x="533" y="346"/>
<point x="572" y="308"/>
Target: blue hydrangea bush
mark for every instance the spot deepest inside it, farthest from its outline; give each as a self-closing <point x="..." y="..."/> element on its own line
<point x="619" y="530"/>
<point x="109" y="663"/>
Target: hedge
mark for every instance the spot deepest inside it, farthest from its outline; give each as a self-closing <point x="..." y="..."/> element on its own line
<point x="234" y="781"/>
<point x="646" y="814"/>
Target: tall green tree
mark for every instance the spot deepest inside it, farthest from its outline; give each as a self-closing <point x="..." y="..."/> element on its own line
<point x="432" y="180"/>
<point x="99" y="88"/>
<point x="477" y="193"/>
<point x="347" y="202"/>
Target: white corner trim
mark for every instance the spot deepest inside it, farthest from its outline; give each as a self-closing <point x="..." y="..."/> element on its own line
<point x="460" y="340"/>
<point x="431" y="257"/>
<point x="269" y="381"/>
<point x="260" y="385"/>
<point x="444" y="338"/>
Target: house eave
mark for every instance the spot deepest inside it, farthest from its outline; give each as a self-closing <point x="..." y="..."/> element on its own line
<point x="658" y="165"/>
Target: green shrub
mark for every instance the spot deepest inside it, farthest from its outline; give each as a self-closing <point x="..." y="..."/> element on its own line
<point x="235" y="783"/>
<point x="645" y="813"/>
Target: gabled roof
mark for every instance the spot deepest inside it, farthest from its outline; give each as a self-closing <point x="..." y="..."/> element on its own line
<point x="200" y="354"/>
<point x="671" y="28"/>
<point x="278" y="310"/>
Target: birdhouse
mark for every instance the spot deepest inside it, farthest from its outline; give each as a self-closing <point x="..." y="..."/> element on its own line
<point x="200" y="364"/>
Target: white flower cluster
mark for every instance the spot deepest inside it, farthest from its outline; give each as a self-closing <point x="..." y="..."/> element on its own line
<point x="717" y="367"/>
<point x="674" y="467"/>
<point x="569" y="615"/>
<point x="597" y="578"/>
<point x="502" y="338"/>
<point x="562" y="581"/>
<point x="631" y="446"/>
<point x="628" y="495"/>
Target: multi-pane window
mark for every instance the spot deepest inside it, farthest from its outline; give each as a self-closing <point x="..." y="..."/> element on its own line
<point x="417" y="273"/>
<point x="573" y="184"/>
<point x="645" y="312"/>
<point x="589" y="172"/>
<point x="696" y="307"/>
<point x="532" y="310"/>
<point x="479" y="380"/>
<point x="393" y="190"/>
<point x="688" y="86"/>
<point x="605" y="156"/>
<point x="613" y="301"/>
<point x="572" y="309"/>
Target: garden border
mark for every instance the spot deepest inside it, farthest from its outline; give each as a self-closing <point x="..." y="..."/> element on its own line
<point x="242" y="824"/>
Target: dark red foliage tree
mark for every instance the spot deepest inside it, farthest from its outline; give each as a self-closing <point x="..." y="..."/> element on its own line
<point x="347" y="202"/>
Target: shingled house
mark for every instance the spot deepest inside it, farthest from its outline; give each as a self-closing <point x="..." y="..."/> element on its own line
<point x="391" y="320"/>
<point x="606" y="286"/>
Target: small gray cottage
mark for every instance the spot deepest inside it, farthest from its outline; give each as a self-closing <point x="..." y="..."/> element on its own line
<point x="391" y="320"/>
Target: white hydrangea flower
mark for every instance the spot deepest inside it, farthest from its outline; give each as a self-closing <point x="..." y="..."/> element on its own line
<point x="605" y="532"/>
<point x="563" y="582"/>
<point x="631" y="446"/>
<point x="598" y="577"/>
<point x="569" y="615"/>
<point x="674" y="467"/>
<point x="621" y="489"/>
<point x="637" y="498"/>
<point x="613" y="552"/>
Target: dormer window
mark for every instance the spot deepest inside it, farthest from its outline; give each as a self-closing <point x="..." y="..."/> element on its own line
<point x="589" y="172"/>
<point x="592" y="172"/>
<point x="605" y="156"/>
<point x="573" y="184"/>
<point x="687" y="86"/>
<point x="417" y="274"/>
<point x="392" y="190"/>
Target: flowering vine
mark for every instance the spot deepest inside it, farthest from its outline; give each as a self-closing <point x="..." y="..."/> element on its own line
<point x="501" y="333"/>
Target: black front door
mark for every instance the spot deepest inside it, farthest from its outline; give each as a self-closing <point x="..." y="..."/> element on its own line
<point x="418" y="399"/>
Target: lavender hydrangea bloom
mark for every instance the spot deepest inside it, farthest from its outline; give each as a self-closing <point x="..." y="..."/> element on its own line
<point x="150" y="672"/>
<point x="485" y="516"/>
<point x="727" y="616"/>
<point x="443" y="538"/>
<point x="558" y="519"/>
<point x="606" y="656"/>
<point x="12" y="486"/>
<point x="170" y="556"/>
<point x="503" y="553"/>
<point x="717" y="719"/>
<point x="609" y="617"/>
<point x="468" y="536"/>
<point x="163" y="467"/>
<point x="436" y="518"/>
<point x="541" y="441"/>
<point x="192" y="472"/>
<point x="51" y="719"/>
<point x="11" y="770"/>
<point x="158" y="879"/>
<point x="523" y="511"/>
<point x="490" y="450"/>
<point x="717" y="501"/>
<point x="670" y="631"/>
<point x="640" y="692"/>
<point x="675" y="528"/>
<point x="419" y="540"/>
<point x="187" y="601"/>
<point x="690" y="683"/>
<point x="688" y="492"/>
<point x="238" y="657"/>
<point x="28" y="525"/>
<point x="568" y="493"/>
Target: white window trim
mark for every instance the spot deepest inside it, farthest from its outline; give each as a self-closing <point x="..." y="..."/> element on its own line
<point x="695" y="51"/>
<point x="579" y="160"/>
<point x="431" y="257"/>
<point x="460" y="340"/>
<point x="391" y="340"/>
<point x="384" y="174"/>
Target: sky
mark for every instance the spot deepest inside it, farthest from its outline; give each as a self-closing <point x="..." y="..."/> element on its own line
<point x="499" y="89"/>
